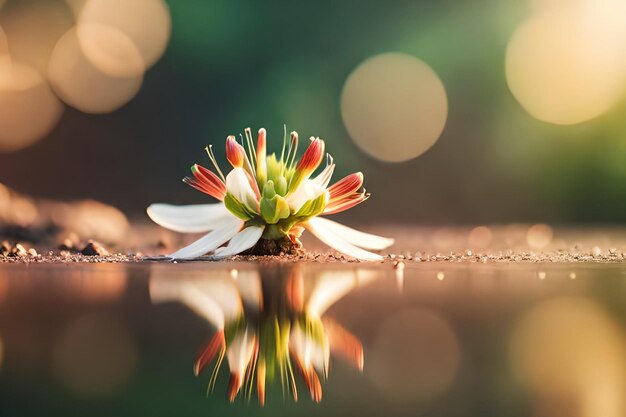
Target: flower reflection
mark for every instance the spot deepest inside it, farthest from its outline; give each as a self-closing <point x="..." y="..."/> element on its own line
<point x="269" y="324"/>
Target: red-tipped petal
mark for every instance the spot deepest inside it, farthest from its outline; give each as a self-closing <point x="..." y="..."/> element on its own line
<point x="346" y="186"/>
<point x="217" y="344"/>
<point x="313" y="157"/>
<point x="345" y="203"/>
<point x="207" y="182"/>
<point x="235" y="153"/>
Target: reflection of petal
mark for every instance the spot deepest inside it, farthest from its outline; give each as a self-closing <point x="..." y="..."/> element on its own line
<point x="211" y="241"/>
<point x="311" y="352"/>
<point x="331" y="286"/>
<point x="295" y="290"/>
<point x="211" y="296"/>
<point x="343" y="343"/>
<point x="217" y="344"/>
<point x="261" y="382"/>
<point x="310" y="355"/>
<point x="195" y="218"/>
<point x="239" y="354"/>
<point x="248" y="283"/>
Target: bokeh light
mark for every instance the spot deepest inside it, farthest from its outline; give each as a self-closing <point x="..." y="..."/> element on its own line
<point x="566" y="65"/>
<point x="394" y="107"/>
<point x="415" y="356"/>
<point x="28" y="108"/>
<point x="82" y="85"/>
<point x="76" y="6"/>
<point x="92" y="219"/>
<point x="539" y="236"/>
<point x="32" y="29"/>
<point x="96" y="356"/>
<point x="146" y="23"/>
<point x="480" y="237"/>
<point x="571" y="349"/>
<point x="110" y="50"/>
<point x="93" y="53"/>
<point x="4" y="42"/>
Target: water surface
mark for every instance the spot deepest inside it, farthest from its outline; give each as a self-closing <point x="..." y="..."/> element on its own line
<point x="432" y="339"/>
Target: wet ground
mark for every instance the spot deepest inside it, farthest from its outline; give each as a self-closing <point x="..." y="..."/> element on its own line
<point x="432" y="338"/>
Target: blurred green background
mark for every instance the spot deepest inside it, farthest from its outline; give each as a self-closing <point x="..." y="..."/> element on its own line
<point x="230" y="65"/>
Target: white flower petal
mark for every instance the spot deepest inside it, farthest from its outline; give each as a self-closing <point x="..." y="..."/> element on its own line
<point x="244" y="240"/>
<point x="307" y="190"/>
<point x="324" y="177"/>
<point x="195" y="218"/>
<point x="238" y="185"/>
<point x="211" y="241"/>
<point x="355" y="237"/>
<point x="327" y="235"/>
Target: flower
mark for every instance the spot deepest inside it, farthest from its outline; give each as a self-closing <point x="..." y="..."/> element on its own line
<point x="268" y="198"/>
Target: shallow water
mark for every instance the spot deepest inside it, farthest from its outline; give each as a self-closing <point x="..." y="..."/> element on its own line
<point x="437" y="339"/>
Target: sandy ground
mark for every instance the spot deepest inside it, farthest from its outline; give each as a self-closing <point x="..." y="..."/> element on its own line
<point x="486" y="244"/>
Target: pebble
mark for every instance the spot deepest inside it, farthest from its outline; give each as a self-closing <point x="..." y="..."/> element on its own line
<point x="68" y="245"/>
<point x="19" y="250"/>
<point x="94" y="248"/>
<point x="5" y="248"/>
